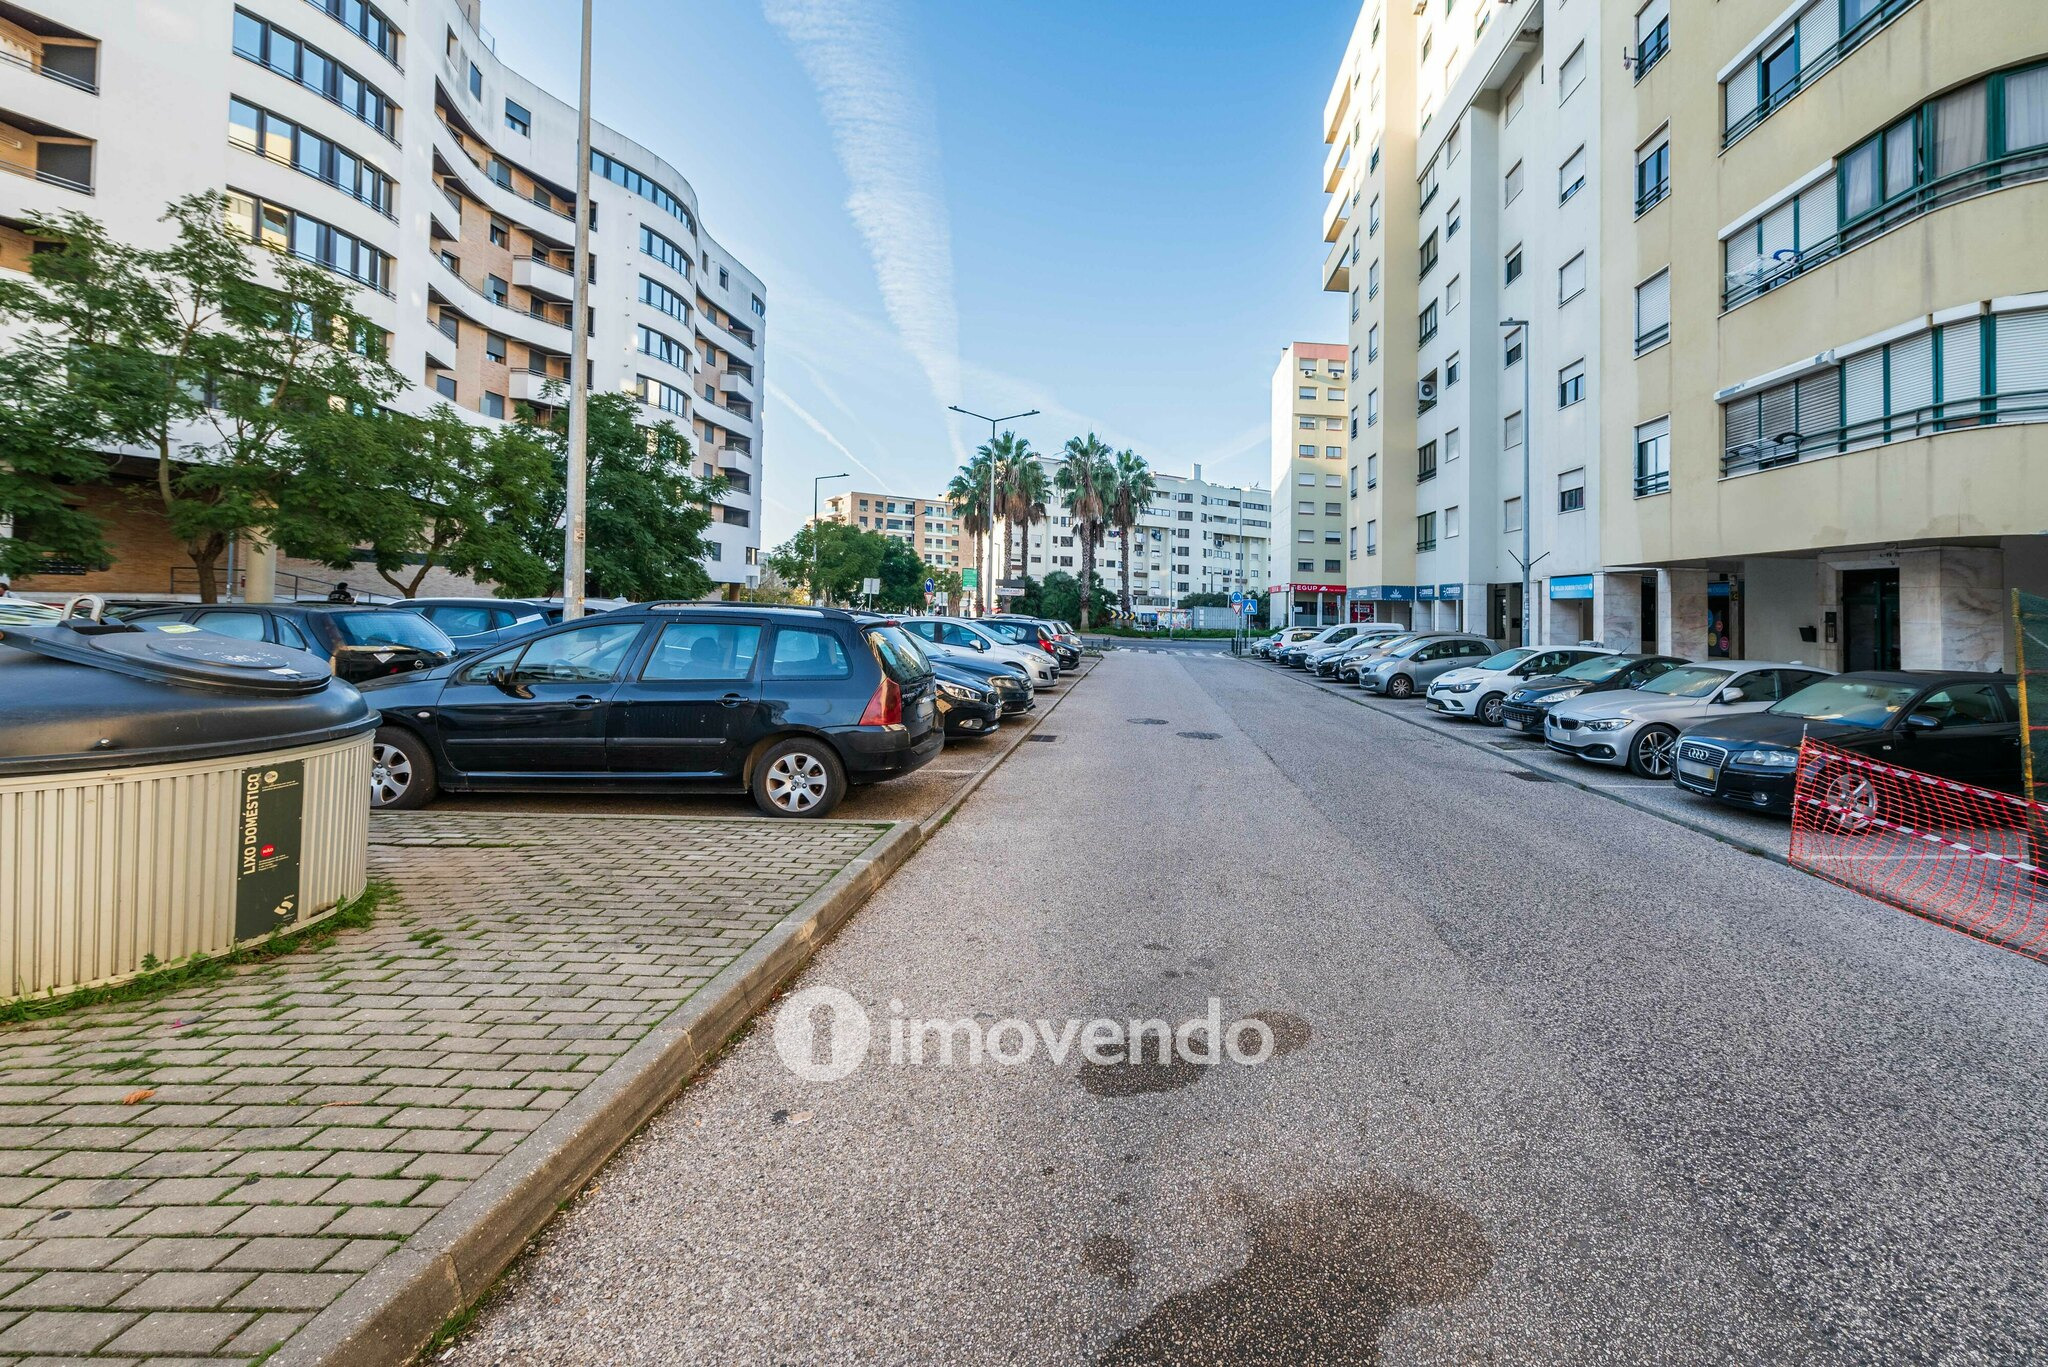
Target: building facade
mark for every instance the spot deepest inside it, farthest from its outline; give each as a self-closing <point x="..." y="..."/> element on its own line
<point x="392" y="146"/>
<point x="926" y="525"/>
<point x="1828" y="304"/>
<point x="1314" y="488"/>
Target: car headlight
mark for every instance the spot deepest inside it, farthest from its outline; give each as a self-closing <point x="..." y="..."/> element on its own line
<point x="1607" y="724"/>
<point x="1465" y="687"/>
<point x="962" y="693"/>
<point x="1772" y="758"/>
<point x="1562" y="694"/>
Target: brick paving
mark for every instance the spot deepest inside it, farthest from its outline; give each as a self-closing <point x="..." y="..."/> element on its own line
<point x="190" y="1179"/>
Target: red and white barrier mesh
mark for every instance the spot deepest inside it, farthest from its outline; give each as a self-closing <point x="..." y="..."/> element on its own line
<point x="1971" y="858"/>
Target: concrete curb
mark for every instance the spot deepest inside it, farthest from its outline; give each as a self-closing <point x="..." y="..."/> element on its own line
<point x="385" y="1319"/>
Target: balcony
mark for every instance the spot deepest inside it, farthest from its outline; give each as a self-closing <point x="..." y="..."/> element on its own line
<point x="541" y="276"/>
<point x="536" y="325"/>
<point x="50" y="50"/>
<point x="530" y="386"/>
<point x="739" y="386"/>
<point x="1336" y="215"/>
<point x="43" y="152"/>
<point x="1335" y="163"/>
<point x="1337" y="268"/>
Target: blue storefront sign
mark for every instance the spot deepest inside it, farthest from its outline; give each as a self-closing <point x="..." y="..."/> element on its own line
<point x="1425" y="593"/>
<point x="1572" y="586"/>
<point x="1450" y="593"/>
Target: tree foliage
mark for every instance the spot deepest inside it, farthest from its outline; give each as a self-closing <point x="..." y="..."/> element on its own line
<point x="845" y="555"/>
<point x="968" y="496"/>
<point x="1085" y="481"/>
<point x="1059" y="598"/>
<point x="1130" y="492"/>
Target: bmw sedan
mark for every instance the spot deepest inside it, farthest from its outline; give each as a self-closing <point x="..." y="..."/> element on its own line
<point x="1526" y="707"/>
<point x="1639" y="727"/>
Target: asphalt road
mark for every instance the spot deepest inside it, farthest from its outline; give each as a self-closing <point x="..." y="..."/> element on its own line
<point x="1556" y="1081"/>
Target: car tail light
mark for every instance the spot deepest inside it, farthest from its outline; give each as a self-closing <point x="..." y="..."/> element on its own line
<point x="886" y="707"/>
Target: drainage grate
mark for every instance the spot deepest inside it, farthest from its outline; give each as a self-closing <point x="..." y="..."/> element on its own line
<point x="1530" y="776"/>
<point x="1146" y="721"/>
<point x="1200" y="735"/>
<point x="1037" y="737"/>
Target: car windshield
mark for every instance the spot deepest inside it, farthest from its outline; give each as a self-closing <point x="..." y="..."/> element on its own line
<point x="1599" y="669"/>
<point x="1868" y="703"/>
<point x="1407" y="648"/>
<point x="1693" y="681"/>
<point x="391" y="629"/>
<point x="901" y="659"/>
<point x="1507" y="659"/>
<point x="1007" y="631"/>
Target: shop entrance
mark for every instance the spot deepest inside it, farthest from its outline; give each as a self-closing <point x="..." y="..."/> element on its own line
<point x="1870" y="619"/>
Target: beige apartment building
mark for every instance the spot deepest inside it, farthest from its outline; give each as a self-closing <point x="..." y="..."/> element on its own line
<point x="1311" y="403"/>
<point x="1825" y="288"/>
<point x="926" y="525"/>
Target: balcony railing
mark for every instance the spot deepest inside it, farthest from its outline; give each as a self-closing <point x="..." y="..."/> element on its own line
<point x="1954" y="415"/>
<point x="62" y="77"/>
<point x="1656" y="336"/>
<point x="1813" y="68"/>
<point x="1650" y="196"/>
<point x="2000" y="173"/>
<point x="1653" y="482"/>
<point x="47" y="177"/>
<point x="1651" y="50"/>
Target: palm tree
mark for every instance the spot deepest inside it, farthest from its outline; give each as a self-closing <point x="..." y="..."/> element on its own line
<point x="1129" y="493"/>
<point x="1084" y="481"/>
<point x="968" y="496"/>
<point x="1021" y="493"/>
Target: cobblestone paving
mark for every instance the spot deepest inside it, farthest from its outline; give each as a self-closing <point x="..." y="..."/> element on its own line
<point x="191" y="1179"/>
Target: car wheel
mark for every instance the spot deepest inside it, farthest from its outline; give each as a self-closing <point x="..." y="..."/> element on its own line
<point x="1650" y="756"/>
<point x="1852" y="800"/>
<point x="1489" y="708"/>
<point x="401" y="771"/>
<point x="799" y="777"/>
<point x="1400" y="686"/>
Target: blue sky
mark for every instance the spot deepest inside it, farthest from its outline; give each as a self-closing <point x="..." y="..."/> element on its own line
<point x="1107" y="210"/>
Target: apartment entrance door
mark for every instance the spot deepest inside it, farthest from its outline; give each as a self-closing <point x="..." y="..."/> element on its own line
<point x="1870" y="619"/>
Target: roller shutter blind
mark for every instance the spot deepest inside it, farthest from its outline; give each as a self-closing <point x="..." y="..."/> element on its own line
<point x="1962" y="373"/>
<point x="1912" y="385"/>
<point x="1863" y="395"/>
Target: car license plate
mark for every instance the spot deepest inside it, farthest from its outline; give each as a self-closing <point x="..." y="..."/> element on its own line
<point x="1697" y="772"/>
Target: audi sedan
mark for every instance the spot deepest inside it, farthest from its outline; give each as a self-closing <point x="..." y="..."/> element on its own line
<point x="1638" y="728"/>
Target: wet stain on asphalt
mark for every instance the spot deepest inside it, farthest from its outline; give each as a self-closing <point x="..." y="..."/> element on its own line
<point x="1126" y="1078"/>
<point x="1146" y="721"/>
<point x="1326" y="1275"/>
<point x="1290" y="1031"/>
<point x="1199" y="735"/>
<point x="1108" y="1256"/>
<point x="1151" y="945"/>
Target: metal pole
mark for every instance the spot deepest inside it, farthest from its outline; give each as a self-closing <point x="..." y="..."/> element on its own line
<point x="816" y="481"/>
<point x="988" y="586"/>
<point x="574" y="509"/>
<point x="1528" y="503"/>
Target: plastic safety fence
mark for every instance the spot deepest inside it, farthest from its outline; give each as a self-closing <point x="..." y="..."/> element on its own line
<point x="1969" y="858"/>
<point x="2030" y="637"/>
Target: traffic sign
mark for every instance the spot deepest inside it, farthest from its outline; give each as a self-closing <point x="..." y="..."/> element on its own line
<point x="930" y="587"/>
<point x="970" y="579"/>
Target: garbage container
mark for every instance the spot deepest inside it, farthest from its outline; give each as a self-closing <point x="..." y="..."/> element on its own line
<point x="164" y="794"/>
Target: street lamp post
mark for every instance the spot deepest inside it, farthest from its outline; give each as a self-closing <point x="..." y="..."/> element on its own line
<point x="988" y="588"/>
<point x="574" y="507"/>
<point x="815" y="483"/>
<point x="1526" y="560"/>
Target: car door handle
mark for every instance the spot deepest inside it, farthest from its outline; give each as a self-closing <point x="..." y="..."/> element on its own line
<point x="584" y="701"/>
<point x="732" y="700"/>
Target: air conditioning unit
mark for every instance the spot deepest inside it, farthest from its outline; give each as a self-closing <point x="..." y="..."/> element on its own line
<point x="1425" y="391"/>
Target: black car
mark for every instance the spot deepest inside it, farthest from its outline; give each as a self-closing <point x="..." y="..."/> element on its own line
<point x="969" y="705"/>
<point x="790" y="704"/>
<point x="359" y="642"/>
<point x="1963" y="727"/>
<point x="1033" y="632"/>
<point x="1525" y="708"/>
<point x="479" y="623"/>
<point x="1008" y="681"/>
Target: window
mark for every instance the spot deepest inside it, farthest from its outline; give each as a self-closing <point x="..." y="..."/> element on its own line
<point x="444" y="385"/>
<point x="1333" y="395"/>
<point x="1354" y="481"/>
<point x="1307" y="566"/>
<point x="1372" y="222"/>
<point x="494" y="348"/>
<point x="663" y="347"/>
<point x="653" y="192"/>
<point x="1511" y="432"/>
<point x="1307" y="481"/>
<point x="1571" y="384"/>
<point x="1372" y="472"/>
<point x="1453" y="521"/>
<point x="1333" y="424"/>
<point x="309" y="239"/>
<point x="1425" y="462"/>
<point x="1653" y="172"/>
<point x="1372" y="407"/>
<point x="1653" y="35"/>
<point x="1428" y="254"/>
<point x="1572" y="74"/>
<point x="1354" y="543"/>
<point x="660" y="296"/>
<point x="1454" y="219"/>
<point x="494" y="405"/>
<point x="1571" y="279"/>
<point x="582" y="654"/>
<point x="1426" y="186"/>
<point x="1571" y="491"/>
<point x="1354" y="420"/>
<point x="1308" y="424"/>
<point x="758" y="305"/>
<point x="1333" y="452"/>
<point x="1511" y="515"/>
<point x="1354" y="363"/>
<point x="476" y="81"/>
<point x="1653" y="311"/>
<point x="1425" y="532"/>
<point x="1372" y="536"/>
<point x="1372" y="342"/>
<point x="1513" y="103"/>
<point x="1571" y="177"/>
<point x="1513" y="353"/>
<point x="1306" y="451"/>
<point x="1653" y="457"/>
<point x="1454" y="445"/>
<point x="366" y="21"/>
<point x="280" y="140"/>
<point x="1354" y="303"/>
<point x="1514" y="183"/>
<point x="666" y="252"/>
<point x="498" y="290"/>
<point x="1333" y="566"/>
<point x="1454" y="294"/>
<point x="1307" y="391"/>
<point x="501" y="236"/>
<point x="708" y="652"/>
<point x="806" y="653"/>
<point x="1305" y="537"/>
<point x="1453" y="368"/>
<point x="1452" y="139"/>
<point x="1425" y="323"/>
<point x="1333" y="481"/>
<point x="669" y="399"/>
<point x="1513" y="271"/>
<point x="268" y="45"/>
<point x="1372" y="281"/>
<point x="1306" y="507"/>
<point x="518" y="119"/>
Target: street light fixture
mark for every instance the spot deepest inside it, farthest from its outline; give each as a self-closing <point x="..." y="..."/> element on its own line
<point x="815" y="483"/>
<point x="575" y="501"/>
<point x="1528" y="505"/>
<point x="988" y="589"/>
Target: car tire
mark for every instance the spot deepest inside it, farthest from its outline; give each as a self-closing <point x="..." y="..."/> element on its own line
<point x="402" y="774"/>
<point x="1489" y="708"/>
<point x="1650" y="754"/>
<point x="1400" y="686"/>
<point x="800" y="777"/>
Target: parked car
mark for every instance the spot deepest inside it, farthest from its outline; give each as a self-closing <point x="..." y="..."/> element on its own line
<point x="790" y="704"/>
<point x="1526" y="707"/>
<point x="1281" y="639"/>
<point x="358" y="641"/>
<point x="479" y="623"/>
<point x="1370" y="651"/>
<point x="1964" y="727"/>
<point x="1326" y="661"/>
<point x="1476" y="692"/>
<point x="1639" y="727"/>
<point x="1029" y="631"/>
<point x="955" y="634"/>
<point x="1292" y="656"/>
<point x="968" y="705"/>
<point x="1008" y="679"/>
<point x="1412" y="666"/>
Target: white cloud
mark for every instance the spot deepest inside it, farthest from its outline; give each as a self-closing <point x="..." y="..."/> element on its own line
<point x="886" y="136"/>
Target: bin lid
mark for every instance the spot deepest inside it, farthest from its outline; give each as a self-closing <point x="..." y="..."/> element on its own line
<point x="82" y="695"/>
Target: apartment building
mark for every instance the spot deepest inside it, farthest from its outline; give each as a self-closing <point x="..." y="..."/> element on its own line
<point x="1195" y="536"/>
<point x="1827" y="301"/>
<point x="1463" y="175"/>
<point x="389" y="144"/>
<point x="926" y="525"/>
<point x="1314" y="489"/>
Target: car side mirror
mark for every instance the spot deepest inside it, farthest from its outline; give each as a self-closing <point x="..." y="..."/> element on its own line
<point x="502" y="679"/>
<point x="1733" y="693"/>
<point x="1922" y="721"/>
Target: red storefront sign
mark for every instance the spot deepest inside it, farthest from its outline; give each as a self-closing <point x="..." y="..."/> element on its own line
<point x="1325" y="589"/>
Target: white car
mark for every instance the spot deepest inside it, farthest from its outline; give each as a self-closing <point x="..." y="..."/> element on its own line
<point x="1639" y="727"/>
<point x="952" y="633"/>
<point x="1477" y="691"/>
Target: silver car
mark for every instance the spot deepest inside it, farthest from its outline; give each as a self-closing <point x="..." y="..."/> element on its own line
<point x="1639" y="727"/>
<point x="1407" y="668"/>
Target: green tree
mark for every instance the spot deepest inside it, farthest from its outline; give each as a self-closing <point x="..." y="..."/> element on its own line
<point x="1130" y="492"/>
<point x="1060" y="599"/>
<point x="46" y="435"/>
<point x="843" y="555"/>
<point x="1021" y="493"/>
<point x="646" y="515"/>
<point x="902" y="573"/>
<point x="968" y="495"/>
<point x="1084" y="480"/>
<point x="1204" y="600"/>
<point x="247" y="374"/>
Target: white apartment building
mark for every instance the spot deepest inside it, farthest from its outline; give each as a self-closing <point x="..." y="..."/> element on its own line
<point x="1470" y="135"/>
<point x="1195" y="536"/>
<point x="391" y="145"/>
<point x="1313" y="485"/>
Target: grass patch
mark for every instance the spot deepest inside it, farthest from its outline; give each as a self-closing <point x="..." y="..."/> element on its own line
<point x="1179" y="634"/>
<point x="198" y="970"/>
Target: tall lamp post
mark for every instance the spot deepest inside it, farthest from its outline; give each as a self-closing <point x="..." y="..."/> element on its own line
<point x="1525" y="559"/>
<point x="574" y="507"/>
<point x="815" y="483"/>
<point x="988" y="589"/>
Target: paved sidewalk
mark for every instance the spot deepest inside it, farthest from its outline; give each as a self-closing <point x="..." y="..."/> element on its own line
<point x="192" y="1178"/>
